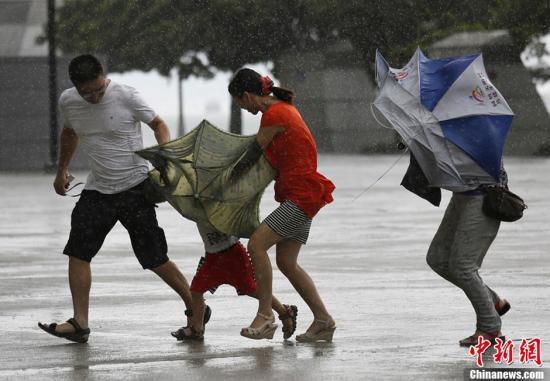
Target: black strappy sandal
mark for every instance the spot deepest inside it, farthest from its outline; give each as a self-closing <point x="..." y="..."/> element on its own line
<point x="291" y="313"/>
<point x="180" y="333"/>
<point x="79" y="335"/>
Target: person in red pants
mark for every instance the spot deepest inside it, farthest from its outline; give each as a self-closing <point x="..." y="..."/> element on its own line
<point x="226" y="261"/>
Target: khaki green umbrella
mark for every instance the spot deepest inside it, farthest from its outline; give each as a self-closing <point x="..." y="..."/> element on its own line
<point x="192" y="173"/>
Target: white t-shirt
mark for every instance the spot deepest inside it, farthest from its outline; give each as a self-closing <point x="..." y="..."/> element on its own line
<point x="109" y="133"/>
<point x="215" y="241"/>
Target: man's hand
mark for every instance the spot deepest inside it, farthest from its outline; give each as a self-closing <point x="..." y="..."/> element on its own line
<point x="61" y="182"/>
<point x="68" y="144"/>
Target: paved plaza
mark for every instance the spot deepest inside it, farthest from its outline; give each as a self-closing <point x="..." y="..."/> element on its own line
<point x="396" y="319"/>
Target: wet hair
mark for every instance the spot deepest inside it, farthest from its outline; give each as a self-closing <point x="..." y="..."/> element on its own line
<point x="84" y="68"/>
<point x="252" y="82"/>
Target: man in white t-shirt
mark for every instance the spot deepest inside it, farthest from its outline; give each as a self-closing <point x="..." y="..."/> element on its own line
<point x="105" y="118"/>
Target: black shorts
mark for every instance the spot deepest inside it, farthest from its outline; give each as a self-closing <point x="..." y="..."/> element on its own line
<point x="95" y="214"/>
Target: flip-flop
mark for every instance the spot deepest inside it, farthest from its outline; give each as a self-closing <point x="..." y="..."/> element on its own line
<point x="79" y="335"/>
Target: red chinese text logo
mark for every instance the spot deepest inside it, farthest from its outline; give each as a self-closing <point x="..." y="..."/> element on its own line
<point x="529" y="350"/>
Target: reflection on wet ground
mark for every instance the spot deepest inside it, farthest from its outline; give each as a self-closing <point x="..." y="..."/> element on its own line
<point x="396" y="319"/>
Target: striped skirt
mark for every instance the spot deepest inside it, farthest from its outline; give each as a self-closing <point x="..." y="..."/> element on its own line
<point x="289" y="221"/>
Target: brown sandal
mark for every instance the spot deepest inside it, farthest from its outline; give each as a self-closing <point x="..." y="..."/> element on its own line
<point x="195" y="335"/>
<point x="79" y="335"/>
<point x="179" y="334"/>
<point x="291" y="313"/>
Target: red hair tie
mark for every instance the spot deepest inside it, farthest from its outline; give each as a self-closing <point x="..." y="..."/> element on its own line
<point x="267" y="83"/>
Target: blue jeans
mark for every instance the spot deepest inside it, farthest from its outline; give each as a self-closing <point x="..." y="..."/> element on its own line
<point x="457" y="252"/>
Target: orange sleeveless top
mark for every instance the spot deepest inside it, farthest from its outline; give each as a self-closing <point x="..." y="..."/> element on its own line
<point x="294" y="155"/>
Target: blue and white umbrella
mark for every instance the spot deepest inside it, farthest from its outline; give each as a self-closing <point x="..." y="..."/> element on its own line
<point x="450" y="115"/>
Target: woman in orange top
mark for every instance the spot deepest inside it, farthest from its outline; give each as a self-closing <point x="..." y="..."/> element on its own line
<point x="287" y="143"/>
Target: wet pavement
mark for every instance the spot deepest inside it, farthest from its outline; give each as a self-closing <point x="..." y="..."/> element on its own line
<point x="396" y="319"/>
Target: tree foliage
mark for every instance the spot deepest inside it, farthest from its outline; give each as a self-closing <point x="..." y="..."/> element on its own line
<point x="131" y="35"/>
<point x="390" y="25"/>
<point x="200" y="37"/>
<point x="233" y="33"/>
<point x="163" y="34"/>
<point x="525" y="20"/>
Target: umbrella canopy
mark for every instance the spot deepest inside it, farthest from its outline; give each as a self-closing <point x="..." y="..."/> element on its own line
<point x="192" y="172"/>
<point x="453" y="119"/>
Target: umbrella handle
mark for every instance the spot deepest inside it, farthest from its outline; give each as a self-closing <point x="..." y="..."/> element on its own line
<point x="371" y="104"/>
<point x="381" y="176"/>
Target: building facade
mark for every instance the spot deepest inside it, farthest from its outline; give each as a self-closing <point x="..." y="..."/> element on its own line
<point x="24" y="94"/>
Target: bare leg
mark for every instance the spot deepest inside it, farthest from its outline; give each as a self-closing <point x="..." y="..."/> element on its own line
<point x="278" y="307"/>
<point x="197" y="320"/>
<point x="80" y="281"/>
<point x="173" y="277"/>
<point x="275" y="304"/>
<point x="262" y="239"/>
<point x="287" y="257"/>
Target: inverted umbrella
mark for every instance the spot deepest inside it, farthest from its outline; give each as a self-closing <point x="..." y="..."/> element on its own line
<point x="450" y="115"/>
<point x="193" y="173"/>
